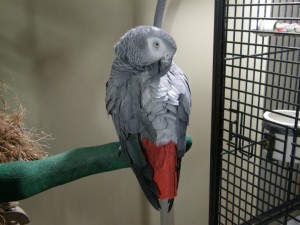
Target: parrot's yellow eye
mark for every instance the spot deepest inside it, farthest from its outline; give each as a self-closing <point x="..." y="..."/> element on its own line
<point x="156" y="44"/>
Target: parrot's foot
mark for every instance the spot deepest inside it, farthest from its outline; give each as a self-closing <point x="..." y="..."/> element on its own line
<point x="120" y="151"/>
<point x="11" y="213"/>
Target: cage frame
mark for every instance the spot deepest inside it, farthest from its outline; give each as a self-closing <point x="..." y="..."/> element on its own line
<point x="217" y="121"/>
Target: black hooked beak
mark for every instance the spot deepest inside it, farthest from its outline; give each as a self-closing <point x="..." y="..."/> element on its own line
<point x="164" y="66"/>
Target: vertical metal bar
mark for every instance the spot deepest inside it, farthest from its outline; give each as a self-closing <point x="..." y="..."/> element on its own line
<point x="292" y="162"/>
<point x="238" y="141"/>
<point x="159" y="13"/>
<point x="249" y="188"/>
<point x="217" y="111"/>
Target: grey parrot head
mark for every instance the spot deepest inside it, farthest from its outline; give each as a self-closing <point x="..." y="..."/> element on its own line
<point x="147" y="46"/>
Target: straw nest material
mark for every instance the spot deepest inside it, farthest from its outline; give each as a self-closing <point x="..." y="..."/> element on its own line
<point x="18" y="143"/>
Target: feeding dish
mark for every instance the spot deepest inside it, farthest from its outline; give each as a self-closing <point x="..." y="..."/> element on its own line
<point x="278" y="125"/>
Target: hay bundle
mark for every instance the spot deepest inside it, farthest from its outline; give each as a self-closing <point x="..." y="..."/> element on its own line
<point x="16" y="142"/>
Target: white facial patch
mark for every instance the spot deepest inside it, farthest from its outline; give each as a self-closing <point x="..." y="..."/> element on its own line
<point x="157" y="49"/>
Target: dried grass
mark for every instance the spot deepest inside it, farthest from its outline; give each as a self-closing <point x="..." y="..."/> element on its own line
<point x="16" y="142"/>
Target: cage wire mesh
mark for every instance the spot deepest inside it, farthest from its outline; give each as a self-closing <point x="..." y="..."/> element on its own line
<point x="255" y="135"/>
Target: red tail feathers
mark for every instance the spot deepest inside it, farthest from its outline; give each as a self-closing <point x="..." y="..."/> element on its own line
<point x="163" y="160"/>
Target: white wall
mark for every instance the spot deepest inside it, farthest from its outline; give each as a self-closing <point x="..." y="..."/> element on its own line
<point x="67" y="46"/>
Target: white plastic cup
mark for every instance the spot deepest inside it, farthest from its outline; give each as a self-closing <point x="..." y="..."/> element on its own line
<point x="266" y="26"/>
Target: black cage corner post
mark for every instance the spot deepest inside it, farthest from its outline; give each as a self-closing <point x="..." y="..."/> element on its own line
<point x="255" y="143"/>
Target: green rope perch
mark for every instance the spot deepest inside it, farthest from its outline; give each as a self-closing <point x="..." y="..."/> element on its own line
<point x="20" y="180"/>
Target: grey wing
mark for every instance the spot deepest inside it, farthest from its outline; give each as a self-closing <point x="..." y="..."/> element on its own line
<point x="180" y="82"/>
<point x="123" y="104"/>
<point x="184" y="107"/>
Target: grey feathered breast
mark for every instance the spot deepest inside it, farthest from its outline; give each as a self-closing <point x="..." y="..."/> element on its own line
<point x="158" y="108"/>
<point x="167" y="102"/>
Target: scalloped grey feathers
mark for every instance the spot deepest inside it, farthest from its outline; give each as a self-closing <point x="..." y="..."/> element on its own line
<point x="147" y="96"/>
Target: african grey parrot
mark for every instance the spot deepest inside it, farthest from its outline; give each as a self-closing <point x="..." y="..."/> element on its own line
<point x="149" y="100"/>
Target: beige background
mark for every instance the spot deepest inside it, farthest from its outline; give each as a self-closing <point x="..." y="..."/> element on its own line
<point x="57" y="54"/>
